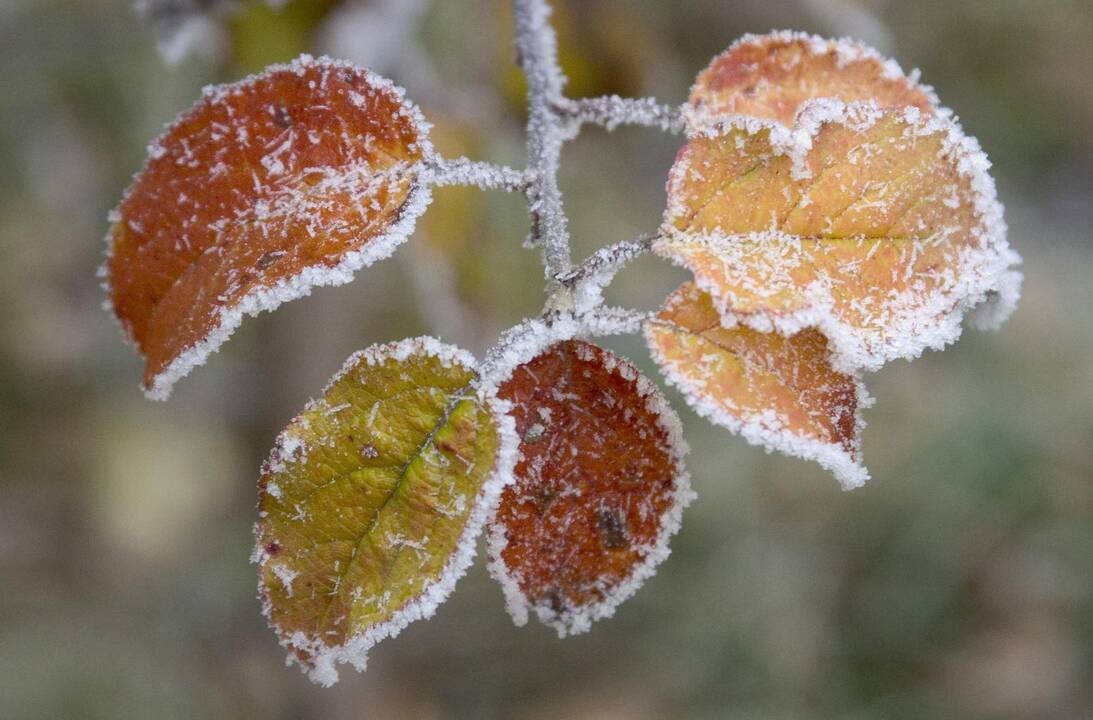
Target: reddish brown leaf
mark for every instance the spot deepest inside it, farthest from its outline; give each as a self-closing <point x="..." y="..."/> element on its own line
<point x="598" y="492"/>
<point x="266" y="188"/>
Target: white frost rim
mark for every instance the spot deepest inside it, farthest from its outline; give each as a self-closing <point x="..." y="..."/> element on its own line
<point x="526" y="342"/>
<point x="355" y="650"/>
<point x="269" y="298"/>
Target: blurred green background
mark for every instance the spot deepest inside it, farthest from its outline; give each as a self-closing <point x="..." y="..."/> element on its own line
<point x="958" y="584"/>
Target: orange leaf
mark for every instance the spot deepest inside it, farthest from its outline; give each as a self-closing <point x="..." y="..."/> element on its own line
<point x="778" y="392"/>
<point x="282" y="182"/>
<point x="599" y="490"/>
<point x="771" y="76"/>
<point x="878" y="227"/>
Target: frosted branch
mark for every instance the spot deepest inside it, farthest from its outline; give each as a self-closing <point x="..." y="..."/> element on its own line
<point x="587" y="281"/>
<point x="487" y="176"/>
<point x="537" y="53"/>
<point x="610" y="111"/>
<point x="607" y="321"/>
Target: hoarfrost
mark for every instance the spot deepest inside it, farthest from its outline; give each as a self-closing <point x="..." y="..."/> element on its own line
<point x="767" y="428"/>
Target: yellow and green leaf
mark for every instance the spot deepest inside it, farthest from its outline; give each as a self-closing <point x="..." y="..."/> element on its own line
<point x="372" y="499"/>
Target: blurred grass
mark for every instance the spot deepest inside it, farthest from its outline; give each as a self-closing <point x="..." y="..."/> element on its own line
<point x="959" y="583"/>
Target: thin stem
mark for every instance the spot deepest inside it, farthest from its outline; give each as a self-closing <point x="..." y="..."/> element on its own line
<point x="537" y="53"/>
<point x="610" y="111"/>
<point x="574" y="295"/>
<point x="587" y="281"/>
<point x="487" y="176"/>
<point x="607" y="261"/>
<point x="605" y="321"/>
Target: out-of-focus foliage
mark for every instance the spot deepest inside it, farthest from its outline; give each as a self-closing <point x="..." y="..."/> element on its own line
<point x="265" y="32"/>
<point x="959" y="583"/>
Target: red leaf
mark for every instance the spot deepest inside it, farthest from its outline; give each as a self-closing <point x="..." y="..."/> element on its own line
<point x="599" y="490"/>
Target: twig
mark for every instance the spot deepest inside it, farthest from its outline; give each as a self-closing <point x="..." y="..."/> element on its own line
<point x="487" y="176"/>
<point x="610" y="111"/>
<point x="574" y="303"/>
<point x="587" y="281"/>
<point x="537" y="53"/>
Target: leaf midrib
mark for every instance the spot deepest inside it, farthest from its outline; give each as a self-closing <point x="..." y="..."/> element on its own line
<point x="441" y="422"/>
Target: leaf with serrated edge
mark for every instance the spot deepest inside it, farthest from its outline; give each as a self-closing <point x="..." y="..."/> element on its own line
<point x="778" y="392"/>
<point x="771" y="76"/>
<point x="372" y="499"/>
<point x="598" y="492"/>
<point x="878" y="227"/>
<point x="266" y="188"/>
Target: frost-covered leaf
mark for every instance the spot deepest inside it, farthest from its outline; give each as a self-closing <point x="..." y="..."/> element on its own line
<point x="598" y="492"/>
<point x="771" y="76"/>
<point x="284" y="181"/>
<point x="778" y="392"/>
<point x="879" y="227"/>
<point x="372" y="499"/>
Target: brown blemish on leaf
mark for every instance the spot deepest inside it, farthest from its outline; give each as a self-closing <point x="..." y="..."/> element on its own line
<point x="613" y="527"/>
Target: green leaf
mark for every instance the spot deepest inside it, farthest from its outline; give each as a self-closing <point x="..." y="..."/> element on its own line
<point x="372" y="499"/>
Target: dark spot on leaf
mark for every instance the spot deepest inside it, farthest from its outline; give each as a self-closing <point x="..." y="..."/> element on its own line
<point x="613" y="527"/>
<point x="543" y="499"/>
<point x="273" y="549"/>
<point x="534" y="433"/>
<point x="553" y="599"/>
<point x="281" y="116"/>
<point x="267" y="258"/>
